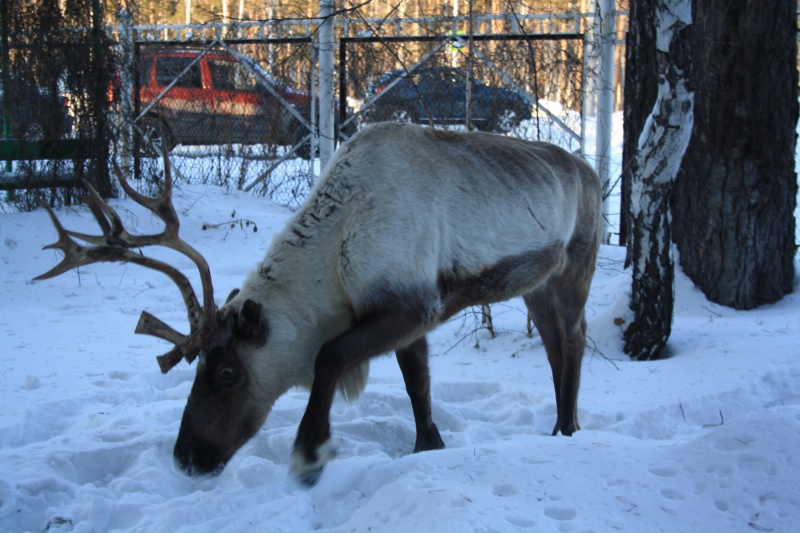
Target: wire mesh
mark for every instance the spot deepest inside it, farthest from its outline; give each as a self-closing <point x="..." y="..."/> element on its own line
<point x="524" y="86"/>
<point x="233" y="115"/>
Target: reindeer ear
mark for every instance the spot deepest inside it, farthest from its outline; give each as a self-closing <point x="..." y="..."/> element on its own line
<point x="250" y="323"/>
<point x="232" y="295"/>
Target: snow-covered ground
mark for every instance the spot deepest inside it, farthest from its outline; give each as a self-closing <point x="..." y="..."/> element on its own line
<point x="706" y="440"/>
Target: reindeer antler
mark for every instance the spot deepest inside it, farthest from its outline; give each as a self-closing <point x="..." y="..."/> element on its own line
<point x="116" y="244"/>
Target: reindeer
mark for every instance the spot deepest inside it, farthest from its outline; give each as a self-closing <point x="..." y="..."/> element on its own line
<point x="407" y="227"/>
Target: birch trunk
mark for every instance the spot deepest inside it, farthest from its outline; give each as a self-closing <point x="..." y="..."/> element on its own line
<point x="660" y="149"/>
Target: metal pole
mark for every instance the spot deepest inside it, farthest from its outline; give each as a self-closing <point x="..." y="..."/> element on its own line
<point x="102" y="183"/>
<point x="342" y="86"/>
<point x="605" y="105"/>
<point x="126" y="88"/>
<point x="6" y="76"/>
<point x="326" y="47"/>
<point x="587" y="98"/>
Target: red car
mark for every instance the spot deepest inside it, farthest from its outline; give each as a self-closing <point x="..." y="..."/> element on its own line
<point x="216" y="98"/>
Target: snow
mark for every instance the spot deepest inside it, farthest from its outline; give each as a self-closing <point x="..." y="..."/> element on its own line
<point x="705" y="440"/>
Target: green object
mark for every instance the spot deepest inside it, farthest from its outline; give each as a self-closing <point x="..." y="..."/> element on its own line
<point x="15" y="150"/>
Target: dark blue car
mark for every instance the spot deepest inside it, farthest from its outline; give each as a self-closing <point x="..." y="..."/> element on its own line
<point x="35" y="114"/>
<point x="440" y="94"/>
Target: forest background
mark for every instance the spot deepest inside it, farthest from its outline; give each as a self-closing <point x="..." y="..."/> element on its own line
<point x="205" y="11"/>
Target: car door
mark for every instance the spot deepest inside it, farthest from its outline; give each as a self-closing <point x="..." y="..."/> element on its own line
<point x="243" y="109"/>
<point x="482" y="104"/>
<point x="431" y="95"/>
<point x="454" y="85"/>
<point x="186" y="107"/>
<point x="444" y="92"/>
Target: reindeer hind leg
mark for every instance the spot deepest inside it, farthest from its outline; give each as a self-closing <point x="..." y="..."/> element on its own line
<point x="413" y="361"/>
<point x="557" y="313"/>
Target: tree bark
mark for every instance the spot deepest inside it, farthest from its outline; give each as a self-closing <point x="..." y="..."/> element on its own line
<point x="736" y="191"/>
<point x="639" y="92"/>
<point x="657" y="158"/>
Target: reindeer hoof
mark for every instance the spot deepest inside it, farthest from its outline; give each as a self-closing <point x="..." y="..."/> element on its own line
<point x="307" y="471"/>
<point x="430" y="440"/>
<point x="308" y="479"/>
<point x="566" y="429"/>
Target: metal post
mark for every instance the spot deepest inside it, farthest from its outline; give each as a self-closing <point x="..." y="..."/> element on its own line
<point x="102" y="183"/>
<point x="314" y="142"/>
<point x="605" y="104"/>
<point x="587" y="97"/>
<point x="126" y="89"/>
<point x="326" y="47"/>
<point x="6" y="76"/>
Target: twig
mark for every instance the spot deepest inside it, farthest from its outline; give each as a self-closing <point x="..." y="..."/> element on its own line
<point x="594" y="350"/>
<point x="231" y="223"/>
<point x="623" y="499"/>
<point x="721" y="421"/>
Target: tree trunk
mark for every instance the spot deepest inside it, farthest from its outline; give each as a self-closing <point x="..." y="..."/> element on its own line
<point x="657" y="158"/>
<point x="736" y="192"/>
<point x="639" y="95"/>
<point x="100" y="177"/>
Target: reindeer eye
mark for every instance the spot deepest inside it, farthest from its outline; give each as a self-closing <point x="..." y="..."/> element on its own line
<point x="226" y="375"/>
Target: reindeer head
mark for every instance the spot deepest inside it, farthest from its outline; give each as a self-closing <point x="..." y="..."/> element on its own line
<point x="222" y="412"/>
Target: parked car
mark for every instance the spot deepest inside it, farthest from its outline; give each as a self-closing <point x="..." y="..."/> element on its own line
<point x="216" y="98"/>
<point x="441" y="94"/>
<point x="35" y="113"/>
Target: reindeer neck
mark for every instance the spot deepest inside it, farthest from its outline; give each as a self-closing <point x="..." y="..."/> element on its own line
<point x="299" y="287"/>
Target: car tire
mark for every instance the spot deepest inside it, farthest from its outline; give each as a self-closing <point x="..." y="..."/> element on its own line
<point x="152" y="133"/>
<point x="401" y="116"/>
<point x="304" y="150"/>
<point x="505" y="121"/>
<point x="33" y="132"/>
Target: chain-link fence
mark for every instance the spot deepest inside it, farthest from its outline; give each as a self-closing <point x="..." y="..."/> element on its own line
<point x="239" y="112"/>
<point x="521" y="85"/>
<point x="237" y="115"/>
<point x="235" y="105"/>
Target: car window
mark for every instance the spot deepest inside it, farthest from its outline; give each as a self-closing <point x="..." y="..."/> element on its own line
<point x="169" y="68"/>
<point x="145" y="65"/>
<point x="231" y="76"/>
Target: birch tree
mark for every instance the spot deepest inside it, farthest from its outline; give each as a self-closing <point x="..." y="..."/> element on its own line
<point x="656" y="161"/>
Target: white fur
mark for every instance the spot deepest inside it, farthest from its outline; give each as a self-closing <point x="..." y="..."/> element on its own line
<point x="396" y="206"/>
<point x="301" y="468"/>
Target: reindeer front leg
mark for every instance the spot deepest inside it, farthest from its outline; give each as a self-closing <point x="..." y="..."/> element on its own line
<point x="373" y="334"/>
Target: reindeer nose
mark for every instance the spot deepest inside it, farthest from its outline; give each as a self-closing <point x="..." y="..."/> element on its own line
<point x="197" y="459"/>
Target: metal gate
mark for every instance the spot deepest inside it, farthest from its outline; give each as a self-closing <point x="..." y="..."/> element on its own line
<point x="527" y="85"/>
<point x="239" y="113"/>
